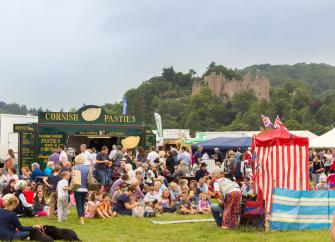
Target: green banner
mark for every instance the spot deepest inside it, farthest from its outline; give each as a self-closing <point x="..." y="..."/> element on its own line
<point x="88" y="115"/>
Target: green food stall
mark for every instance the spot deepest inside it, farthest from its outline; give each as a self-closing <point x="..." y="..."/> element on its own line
<point x="90" y="125"/>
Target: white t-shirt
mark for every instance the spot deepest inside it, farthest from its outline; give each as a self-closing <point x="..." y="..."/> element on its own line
<point x="88" y="158"/>
<point x="61" y="192"/>
<point x="94" y="158"/>
<point x="63" y="157"/>
<point x="152" y="156"/>
<point x="112" y="154"/>
<point x="152" y="197"/>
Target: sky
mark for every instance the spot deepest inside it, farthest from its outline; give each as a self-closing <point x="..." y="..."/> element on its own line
<point x="64" y="53"/>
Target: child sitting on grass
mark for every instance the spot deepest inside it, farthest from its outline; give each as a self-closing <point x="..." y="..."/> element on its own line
<point x="203" y="205"/>
<point x="174" y="191"/>
<point x="39" y="206"/>
<point x="90" y="210"/>
<point x="105" y="207"/>
<point x="185" y="206"/>
<point x="154" y="198"/>
<point x="168" y="205"/>
<point x="148" y="210"/>
<point x="29" y="194"/>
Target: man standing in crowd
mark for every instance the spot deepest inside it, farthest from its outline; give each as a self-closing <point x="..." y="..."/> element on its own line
<point x="238" y="154"/>
<point x="153" y="155"/>
<point x="112" y="153"/>
<point x="101" y="166"/>
<point x="231" y="166"/>
<point x="185" y="156"/>
<point x="118" y="156"/>
<point x="63" y="156"/>
<point x="198" y="156"/>
<point x="86" y="154"/>
<point x="218" y="155"/>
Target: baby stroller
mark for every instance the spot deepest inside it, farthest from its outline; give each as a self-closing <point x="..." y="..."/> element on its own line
<point x="253" y="213"/>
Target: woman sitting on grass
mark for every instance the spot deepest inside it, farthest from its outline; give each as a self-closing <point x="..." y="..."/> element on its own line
<point x="123" y="205"/>
<point x="9" y="223"/>
<point x="23" y="208"/>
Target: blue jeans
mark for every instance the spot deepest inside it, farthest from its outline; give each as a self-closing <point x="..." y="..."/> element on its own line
<point x="217" y="213"/>
<point x="21" y="235"/>
<point x="80" y="198"/>
<point x="101" y="176"/>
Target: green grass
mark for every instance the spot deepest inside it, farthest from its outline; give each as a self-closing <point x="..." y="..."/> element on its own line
<point x="135" y="229"/>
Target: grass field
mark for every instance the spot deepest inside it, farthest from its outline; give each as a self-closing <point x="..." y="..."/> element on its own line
<point x="134" y="229"/>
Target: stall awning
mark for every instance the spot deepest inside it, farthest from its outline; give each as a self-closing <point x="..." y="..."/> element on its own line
<point x="225" y="143"/>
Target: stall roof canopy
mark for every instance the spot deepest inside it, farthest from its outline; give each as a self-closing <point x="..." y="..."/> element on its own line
<point x="225" y="143"/>
<point x="326" y="140"/>
<point x="280" y="136"/>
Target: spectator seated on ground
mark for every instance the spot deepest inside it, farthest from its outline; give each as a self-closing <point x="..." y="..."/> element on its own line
<point x="124" y="206"/>
<point x="23" y="208"/>
<point x="10" y="226"/>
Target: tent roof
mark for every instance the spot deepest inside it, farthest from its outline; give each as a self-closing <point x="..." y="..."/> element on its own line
<point x="280" y="136"/>
<point x="326" y="140"/>
<point x="225" y="143"/>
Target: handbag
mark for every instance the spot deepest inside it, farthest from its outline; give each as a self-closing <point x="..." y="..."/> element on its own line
<point x="75" y="180"/>
<point x="92" y="183"/>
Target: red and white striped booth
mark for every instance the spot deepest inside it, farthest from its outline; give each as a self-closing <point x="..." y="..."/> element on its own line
<point x="281" y="161"/>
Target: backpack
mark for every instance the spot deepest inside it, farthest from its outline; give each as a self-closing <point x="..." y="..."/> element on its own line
<point x="92" y="183"/>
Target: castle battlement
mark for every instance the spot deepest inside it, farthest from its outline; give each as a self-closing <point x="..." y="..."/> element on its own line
<point x="221" y="86"/>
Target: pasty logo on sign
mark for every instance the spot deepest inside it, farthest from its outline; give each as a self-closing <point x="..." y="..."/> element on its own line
<point x="91" y="114"/>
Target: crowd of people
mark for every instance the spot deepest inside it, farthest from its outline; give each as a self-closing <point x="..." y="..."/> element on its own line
<point x="142" y="185"/>
<point x="322" y="169"/>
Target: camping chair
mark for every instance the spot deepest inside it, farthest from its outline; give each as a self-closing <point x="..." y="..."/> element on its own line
<point x="253" y="213"/>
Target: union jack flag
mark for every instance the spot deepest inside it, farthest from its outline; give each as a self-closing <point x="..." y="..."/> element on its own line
<point x="267" y="122"/>
<point x="277" y="123"/>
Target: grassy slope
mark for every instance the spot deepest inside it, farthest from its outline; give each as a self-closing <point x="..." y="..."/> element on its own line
<point x="133" y="229"/>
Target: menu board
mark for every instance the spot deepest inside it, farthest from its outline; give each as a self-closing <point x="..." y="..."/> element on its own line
<point x="46" y="144"/>
<point x="26" y="149"/>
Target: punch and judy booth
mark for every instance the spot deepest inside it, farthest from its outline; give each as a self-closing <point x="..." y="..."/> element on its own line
<point x="282" y="162"/>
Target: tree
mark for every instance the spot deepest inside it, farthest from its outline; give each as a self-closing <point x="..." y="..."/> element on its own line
<point x="169" y="74"/>
<point x="242" y="101"/>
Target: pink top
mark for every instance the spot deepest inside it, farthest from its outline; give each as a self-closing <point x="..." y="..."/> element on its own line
<point x="203" y="204"/>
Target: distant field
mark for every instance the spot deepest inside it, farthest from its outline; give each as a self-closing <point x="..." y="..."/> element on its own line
<point x="134" y="229"/>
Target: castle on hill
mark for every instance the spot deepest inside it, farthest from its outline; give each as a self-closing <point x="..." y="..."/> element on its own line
<point x="221" y="86"/>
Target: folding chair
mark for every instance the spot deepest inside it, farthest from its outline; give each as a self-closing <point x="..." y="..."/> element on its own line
<point x="253" y="213"/>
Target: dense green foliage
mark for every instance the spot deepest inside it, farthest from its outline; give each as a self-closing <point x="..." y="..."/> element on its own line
<point x="14" y="108"/>
<point x="303" y="95"/>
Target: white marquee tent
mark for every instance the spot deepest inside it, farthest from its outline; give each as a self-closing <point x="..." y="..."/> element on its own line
<point x="326" y="140"/>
